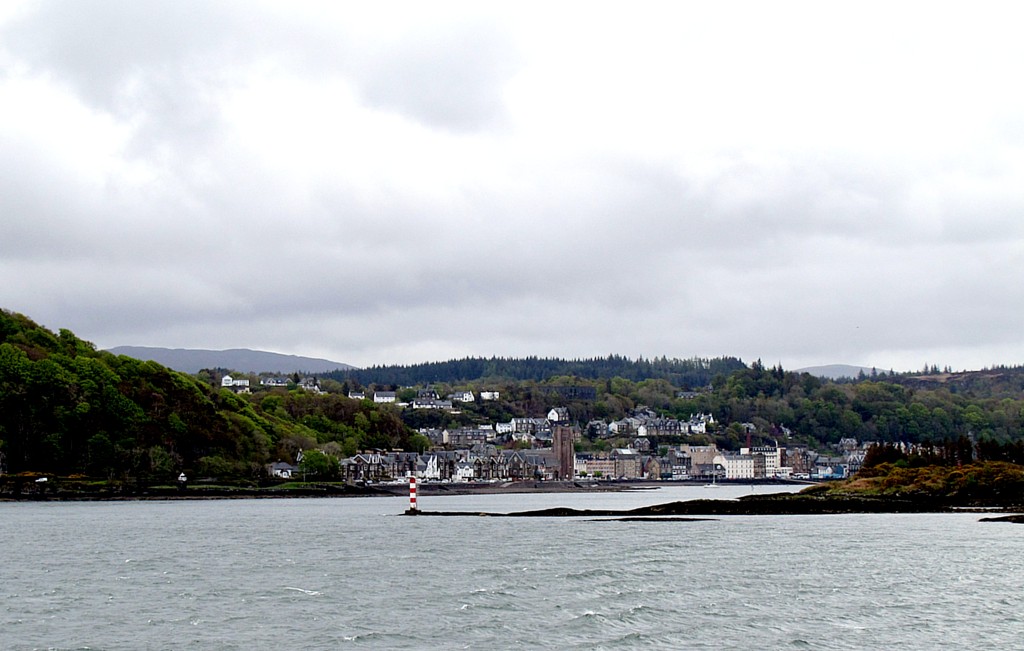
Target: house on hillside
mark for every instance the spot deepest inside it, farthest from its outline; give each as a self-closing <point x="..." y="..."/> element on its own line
<point x="698" y="424"/>
<point x="597" y="429"/>
<point x="436" y="436"/>
<point x="529" y="425"/>
<point x="310" y="384"/>
<point x="238" y="386"/>
<point x="466" y="437"/>
<point x="660" y="427"/>
<point x="625" y="427"/>
<point x="432" y="403"/>
<point x="558" y="415"/>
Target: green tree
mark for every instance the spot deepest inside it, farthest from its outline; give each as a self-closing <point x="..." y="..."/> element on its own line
<point x="320" y="465"/>
<point x="419" y="443"/>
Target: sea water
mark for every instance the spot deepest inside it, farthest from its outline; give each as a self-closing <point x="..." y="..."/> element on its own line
<point x="350" y="573"/>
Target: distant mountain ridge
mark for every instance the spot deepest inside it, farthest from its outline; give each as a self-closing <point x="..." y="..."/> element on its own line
<point x="191" y="360"/>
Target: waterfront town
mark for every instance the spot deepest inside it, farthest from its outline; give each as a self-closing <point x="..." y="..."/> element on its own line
<point x="544" y="448"/>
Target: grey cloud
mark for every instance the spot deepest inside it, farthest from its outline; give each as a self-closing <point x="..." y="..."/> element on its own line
<point x="447" y="75"/>
<point x="811" y="250"/>
<point x="125" y="56"/>
<point x="166" y="63"/>
<point x="162" y="66"/>
<point x="50" y="211"/>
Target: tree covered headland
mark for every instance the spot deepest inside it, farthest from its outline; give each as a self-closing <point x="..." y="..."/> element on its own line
<point x="69" y="409"/>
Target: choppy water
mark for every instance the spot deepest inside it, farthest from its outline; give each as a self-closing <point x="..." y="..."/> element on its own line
<point x="345" y="573"/>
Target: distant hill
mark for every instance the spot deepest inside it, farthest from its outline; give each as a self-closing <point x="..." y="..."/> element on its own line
<point x="238" y="359"/>
<point x="997" y="382"/>
<point x="837" y="371"/>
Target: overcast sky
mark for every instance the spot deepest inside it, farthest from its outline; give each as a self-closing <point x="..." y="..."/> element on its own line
<point x="801" y="182"/>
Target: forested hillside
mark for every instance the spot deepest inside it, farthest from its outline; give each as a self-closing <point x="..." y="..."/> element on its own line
<point x="898" y="408"/>
<point x="997" y="382"/>
<point x="695" y="372"/>
<point x="67" y="408"/>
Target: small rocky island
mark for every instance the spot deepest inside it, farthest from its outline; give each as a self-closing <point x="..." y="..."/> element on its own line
<point x="885" y="488"/>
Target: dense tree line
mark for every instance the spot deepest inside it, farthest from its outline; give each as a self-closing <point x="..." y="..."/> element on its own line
<point x="695" y="372"/>
<point x="818" y="411"/>
<point x="957" y="472"/>
<point x="994" y="382"/>
<point x="951" y="452"/>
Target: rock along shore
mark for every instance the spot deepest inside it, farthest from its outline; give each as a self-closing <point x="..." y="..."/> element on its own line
<point x="779" y="504"/>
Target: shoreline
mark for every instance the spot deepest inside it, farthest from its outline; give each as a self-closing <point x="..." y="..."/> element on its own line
<point x="58" y="493"/>
<point x="781" y="503"/>
<point x="770" y="504"/>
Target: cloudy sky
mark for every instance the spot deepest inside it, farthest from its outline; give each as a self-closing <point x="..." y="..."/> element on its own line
<point x="801" y="182"/>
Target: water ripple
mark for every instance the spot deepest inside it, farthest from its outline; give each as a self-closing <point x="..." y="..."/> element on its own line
<point x="234" y="575"/>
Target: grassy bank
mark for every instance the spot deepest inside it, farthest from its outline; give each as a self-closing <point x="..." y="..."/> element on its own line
<point x="980" y="484"/>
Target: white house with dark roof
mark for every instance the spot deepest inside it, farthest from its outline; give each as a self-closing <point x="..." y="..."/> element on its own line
<point x="558" y="415"/>
<point x="310" y="384"/>
<point x="238" y="386"/>
<point x="431" y="403"/>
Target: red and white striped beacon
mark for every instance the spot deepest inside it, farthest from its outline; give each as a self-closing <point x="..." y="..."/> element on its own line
<point x="412" y="494"/>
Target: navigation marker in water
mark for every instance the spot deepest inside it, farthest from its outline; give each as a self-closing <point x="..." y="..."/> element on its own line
<point x="412" y="495"/>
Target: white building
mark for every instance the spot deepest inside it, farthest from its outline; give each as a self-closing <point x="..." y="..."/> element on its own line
<point x="431" y="470"/>
<point x="737" y="466"/>
<point x="432" y="403"/>
<point x="464" y="471"/>
<point x="238" y="386"/>
<point x="772" y="459"/>
<point x="699" y="424"/>
<point x="558" y="415"/>
<point x="310" y="384"/>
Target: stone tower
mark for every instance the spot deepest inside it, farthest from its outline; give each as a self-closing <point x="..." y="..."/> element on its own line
<point x="562" y="440"/>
